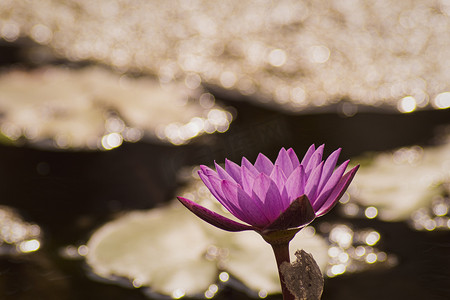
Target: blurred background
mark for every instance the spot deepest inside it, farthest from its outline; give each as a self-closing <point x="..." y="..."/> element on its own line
<point x="108" y="107"/>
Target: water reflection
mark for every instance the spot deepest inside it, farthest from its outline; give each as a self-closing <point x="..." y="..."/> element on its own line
<point x="442" y="101"/>
<point x="74" y="252"/>
<point x="352" y="250"/>
<point x="436" y="217"/>
<point x="16" y="235"/>
<point x="356" y="52"/>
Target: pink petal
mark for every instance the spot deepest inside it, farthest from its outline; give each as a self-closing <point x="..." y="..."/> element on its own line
<point x="328" y="167"/>
<point x="284" y="161"/>
<point x="314" y="161"/>
<point x="312" y="184"/>
<point x="206" y="180"/>
<point x="295" y="184"/>
<point x="207" y="171"/>
<point x="278" y="177"/>
<point x="263" y="164"/>
<point x="308" y="155"/>
<point x="249" y="210"/>
<point x="338" y="191"/>
<point x="214" y="184"/>
<point x="293" y="157"/>
<point x="247" y="180"/>
<point x="234" y="170"/>
<point x="212" y="217"/>
<point x="245" y="162"/>
<point x="330" y="185"/>
<point x="266" y="191"/>
<point x="223" y="174"/>
<point x="299" y="214"/>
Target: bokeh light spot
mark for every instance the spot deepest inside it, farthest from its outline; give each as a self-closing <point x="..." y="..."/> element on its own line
<point x="371" y="258"/>
<point x="319" y="54"/>
<point x="178" y="293"/>
<point x="442" y="101"/>
<point x="372" y="238"/>
<point x="224" y="276"/>
<point x="29" y="246"/>
<point x="112" y="140"/>
<point x="371" y="212"/>
<point x="277" y="57"/>
<point x="407" y="104"/>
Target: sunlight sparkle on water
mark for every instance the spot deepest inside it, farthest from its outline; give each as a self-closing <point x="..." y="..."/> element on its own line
<point x="178" y="293"/>
<point x="371" y="212"/>
<point x="407" y="104"/>
<point x="319" y="54"/>
<point x="372" y="238"/>
<point x="442" y="101"/>
<point x="351" y="250"/>
<point x="277" y="57"/>
<point x="137" y="283"/>
<point x="112" y="140"/>
<point x="224" y="276"/>
<point x="16" y="235"/>
<point x="29" y="246"/>
<point x="262" y="294"/>
<point x="371" y="258"/>
<point x="207" y="46"/>
<point x="211" y="292"/>
<point x="342" y="235"/>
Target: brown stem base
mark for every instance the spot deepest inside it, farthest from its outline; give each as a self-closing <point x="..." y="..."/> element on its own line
<point x="281" y="251"/>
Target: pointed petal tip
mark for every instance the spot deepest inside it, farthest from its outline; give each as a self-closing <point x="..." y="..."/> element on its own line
<point x="341" y="188"/>
<point x="206" y="170"/>
<point x="263" y="164"/>
<point x="354" y="169"/>
<point x="216" y="164"/>
<point x="202" y="168"/>
<point x="281" y="150"/>
<point x="338" y="151"/>
<point x="345" y="163"/>
<point x="213" y="218"/>
<point x="352" y="172"/>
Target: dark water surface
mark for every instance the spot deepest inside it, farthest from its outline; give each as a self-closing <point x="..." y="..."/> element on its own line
<point x="70" y="194"/>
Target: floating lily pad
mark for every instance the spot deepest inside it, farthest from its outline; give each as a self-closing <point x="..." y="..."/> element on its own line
<point x="171" y="251"/>
<point x="163" y="248"/>
<point x="93" y="108"/>
<point x="401" y="182"/>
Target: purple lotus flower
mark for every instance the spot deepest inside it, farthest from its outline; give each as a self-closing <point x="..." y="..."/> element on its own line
<point x="273" y="197"/>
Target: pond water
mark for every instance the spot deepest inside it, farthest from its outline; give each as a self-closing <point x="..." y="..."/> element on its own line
<point x="70" y="194"/>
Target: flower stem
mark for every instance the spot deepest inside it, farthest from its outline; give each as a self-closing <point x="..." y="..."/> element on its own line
<point x="281" y="251"/>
